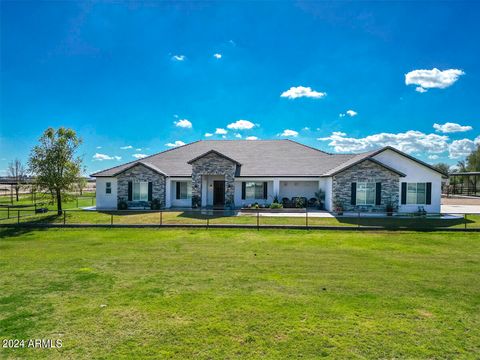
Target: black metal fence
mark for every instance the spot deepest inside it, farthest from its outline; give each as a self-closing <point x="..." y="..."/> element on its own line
<point x="237" y="218"/>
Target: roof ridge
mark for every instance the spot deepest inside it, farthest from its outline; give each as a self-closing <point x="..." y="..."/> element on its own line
<point x="307" y="146"/>
<point x="146" y="157"/>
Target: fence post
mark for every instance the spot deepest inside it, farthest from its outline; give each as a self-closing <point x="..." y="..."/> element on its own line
<point x="465" y="217"/>
<point x="208" y="221"/>
<point x="258" y="219"/>
<point x="161" y="217"/>
<point x="77" y="201"/>
<point x="306" y="218"/>
<point x="8" y="212"/>
<point x="64" y="217"/>
<point x="111" y="219"/>
<point x="358" y="221"/>
<point x="18" y="216"/>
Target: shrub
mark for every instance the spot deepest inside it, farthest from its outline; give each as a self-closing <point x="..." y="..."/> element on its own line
<point x="276" y="206"/>
<point x="155" y="204"/>
<point x="122" y="205"/>
<point x="196" y="201"/>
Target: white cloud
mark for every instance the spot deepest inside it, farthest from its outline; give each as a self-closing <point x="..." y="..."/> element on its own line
<point x="208" y="134"/>
<point x="433" y="157"/>
<point x="183" y="123"/>
<point x="217" y="56"/>
<point x="139" y="156"/>
<point x="428" y="79"/>
<point x="178" y="57"/>
<point x="241" y="125"/>
<point x="460" y="148"/>
<point x="288" y="132"/>
<point x="220" y="131"/>
<point x="350" y="113"/>
<point x="306" y="128"/>
<point x="251" y="138"/>
<point x="238" y="136"/>
<point x="99" y="147"/>
<point x="175" y="144"/>
<point x="302" y="91"/>
<point x="126" y="147"/>
<point x="410" y="142"/>
<point x="451" y="127"/>
<point x="138" y="149"/>
<point x="102" y="157"/>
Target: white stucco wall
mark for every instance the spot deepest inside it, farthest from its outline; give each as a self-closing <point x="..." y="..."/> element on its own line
<point x="326" y="185"/>
<point x="238" y="192"/>
<point x="106" y="201"/>
<point x="414" y="172"/>
<point x="174" y="202"/>
<point x="292" y="188"/>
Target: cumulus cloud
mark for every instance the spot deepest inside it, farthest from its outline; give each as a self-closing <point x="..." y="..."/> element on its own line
<point x="217" y="56"/>
<point x="251" y="138"/>
<point x="410" y="142"/>
<point x="302" y="91"/>
<point x="126" y="147"/>
<point x="138" y="149"/>
<point x="433" y="157"/>
<point x="220" y="131"/>
<point x="350" y="113"/>
<point x="139" y="156"/>
<point x="178" y="57"/>
<point x="175" y="144"/>
<point x="288" y="132"/>
<point x="208" y="134"/>
<point x="99" y="147"/>
<point x="183" y="123"/>
<point x="241" y="125"/>
<point x="238" y="136"/>
<point x="451" y="127"/>
<point x="103" y="157"/>
<point x="461" y="148"/>
<point x="428" y="79"/>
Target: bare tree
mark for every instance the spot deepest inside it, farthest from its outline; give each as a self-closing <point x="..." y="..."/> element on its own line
<point x="17" y="172"/>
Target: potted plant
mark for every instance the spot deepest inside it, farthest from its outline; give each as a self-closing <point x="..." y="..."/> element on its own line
<point x="389" y="208"/>
<point x="320" y="196"/>
<point x="122" y="205"/>
<point x="155" y="204"/>
<point x="196" y="201"/>
<point x="338" y="207"/>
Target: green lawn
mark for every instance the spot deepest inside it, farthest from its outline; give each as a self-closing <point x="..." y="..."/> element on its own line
<point x="198" y="218"/>
<point x="146" y="293"/>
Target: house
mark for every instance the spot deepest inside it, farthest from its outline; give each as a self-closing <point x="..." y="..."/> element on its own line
<point x="233" y="173"/>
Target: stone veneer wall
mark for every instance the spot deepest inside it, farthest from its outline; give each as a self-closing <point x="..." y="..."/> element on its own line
<point x="366" y="171"/>
<point x="213" y="164"/>
<point x="141" y="173"/>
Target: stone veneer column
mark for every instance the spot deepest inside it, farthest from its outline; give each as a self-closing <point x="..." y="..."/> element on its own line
<point x="214" y="164"/>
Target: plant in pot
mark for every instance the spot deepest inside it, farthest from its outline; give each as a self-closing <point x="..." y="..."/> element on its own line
<point x="196" y="201"/>
<point x="320" y="196"/>
<point x="389" y="208"/>
<point x="122" y="205"/>
<point x="155" y="204"/>
<point x="338" y="207"/>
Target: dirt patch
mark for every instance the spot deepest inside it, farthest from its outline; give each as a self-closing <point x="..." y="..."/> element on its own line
<point x="457" y="200"/>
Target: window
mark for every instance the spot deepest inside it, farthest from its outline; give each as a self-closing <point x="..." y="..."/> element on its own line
<point x="108" y="188"/>
<point x="254" y="190"/>
<point x="184" y="190"/>
<point x="366" y="193"/>
<point x="140" y="191"/>
<point x="416" y="193"/>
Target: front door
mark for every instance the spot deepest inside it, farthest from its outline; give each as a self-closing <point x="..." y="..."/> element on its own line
<point x="218" y="193"/>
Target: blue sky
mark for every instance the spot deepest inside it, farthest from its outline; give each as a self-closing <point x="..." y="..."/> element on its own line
<point x="342" y="77"/>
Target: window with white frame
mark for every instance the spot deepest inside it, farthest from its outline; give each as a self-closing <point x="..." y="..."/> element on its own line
<point x="108" y="188"/>
<point x="416" y="193"/>
<point x="365" y="193"/>
<point x="254" y="190"/>
<point x="184" y="190"/>
<point x="140" y="191"/>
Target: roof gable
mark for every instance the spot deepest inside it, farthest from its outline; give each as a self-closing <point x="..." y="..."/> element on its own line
<point x="213" y="152"/>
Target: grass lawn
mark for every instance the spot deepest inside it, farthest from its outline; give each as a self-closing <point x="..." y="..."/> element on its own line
<point x="220" y="217"/>
<point x="146" y="293"/>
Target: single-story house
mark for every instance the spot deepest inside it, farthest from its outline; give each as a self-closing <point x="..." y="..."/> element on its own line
<point x="234" y="173"/>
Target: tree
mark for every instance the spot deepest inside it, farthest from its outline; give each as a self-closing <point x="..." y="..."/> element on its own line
<point x="81" y="183"/>
<point x="462" y="166"/>
<point x="442" y="167"/>
<point x="473" y="160"/>
<point x="54" y="163"/>
<point x="17" y="172"/>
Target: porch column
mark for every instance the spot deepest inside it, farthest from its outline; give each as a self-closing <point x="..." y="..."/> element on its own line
<point x="168" y="194"/>
<point x="276" y="187"/>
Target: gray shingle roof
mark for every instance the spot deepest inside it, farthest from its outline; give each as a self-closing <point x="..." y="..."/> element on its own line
<point x="258" y="158"/>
